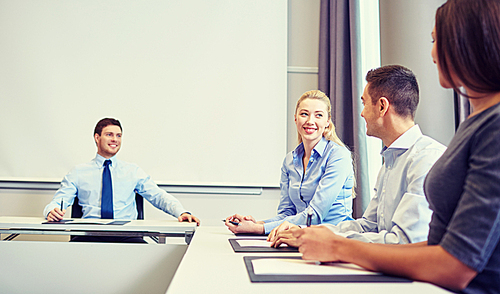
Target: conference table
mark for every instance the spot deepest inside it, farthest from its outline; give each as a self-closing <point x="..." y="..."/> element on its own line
<point x="158" y="230"/>
<point x="42" y="266"/>
<point x="210" y="265"/>
<point x="207" y="265"/>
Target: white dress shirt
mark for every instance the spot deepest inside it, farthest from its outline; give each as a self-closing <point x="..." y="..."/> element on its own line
<point x="85" y="181"/>
<point x="398" y="212"/>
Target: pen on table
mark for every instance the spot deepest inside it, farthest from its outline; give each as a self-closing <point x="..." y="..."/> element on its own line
<point x="232" y="222"/>
<point x="309" y="216"/>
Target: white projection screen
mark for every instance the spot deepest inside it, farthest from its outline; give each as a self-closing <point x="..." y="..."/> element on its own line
<point x="199" y="87"/>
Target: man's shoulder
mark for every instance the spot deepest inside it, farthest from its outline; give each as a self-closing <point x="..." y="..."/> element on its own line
<point x="427" y="144"/>
<point x="128" y="167"/>
<point x="424" y="151"/>
<point x="125" y="164"/>
<point x="85" y="166"/>
<point x="93" y="164"/>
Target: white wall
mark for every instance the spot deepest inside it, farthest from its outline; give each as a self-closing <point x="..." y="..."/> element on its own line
<point x="303" y="46"/>
<point x="406" y="39"/>
<point x="187" y="92"/>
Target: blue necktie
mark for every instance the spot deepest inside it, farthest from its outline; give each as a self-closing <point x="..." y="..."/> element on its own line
<point x="107" y="192"/>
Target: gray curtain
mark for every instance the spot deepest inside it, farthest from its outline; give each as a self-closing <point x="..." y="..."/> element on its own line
<point x="340" y="78"/>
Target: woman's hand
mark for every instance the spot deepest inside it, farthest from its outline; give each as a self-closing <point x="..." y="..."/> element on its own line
<point x="245" y="224"/>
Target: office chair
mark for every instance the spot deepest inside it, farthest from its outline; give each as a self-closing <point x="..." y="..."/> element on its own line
<point x="76" y="209"/>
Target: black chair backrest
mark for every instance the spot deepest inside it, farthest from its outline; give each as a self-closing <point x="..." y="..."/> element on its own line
<point x="76" y="209"/>
<point x="139" y="202"/>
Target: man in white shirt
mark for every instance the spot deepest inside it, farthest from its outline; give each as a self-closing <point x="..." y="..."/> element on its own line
<point x="398" y="212"/>
<point x="112" y="197"/>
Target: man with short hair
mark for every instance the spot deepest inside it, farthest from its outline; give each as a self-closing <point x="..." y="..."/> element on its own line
<point x="106" y="187"/>
<point x="398" y="213"/>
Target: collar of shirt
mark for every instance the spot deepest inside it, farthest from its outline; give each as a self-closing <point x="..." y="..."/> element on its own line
<point x="99" y="160"/>
<point x="319" y="149"/>
<point x="403" y="143"/>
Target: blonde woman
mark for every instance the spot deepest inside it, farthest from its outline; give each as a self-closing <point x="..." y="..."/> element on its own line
<point x="316" y="178"/>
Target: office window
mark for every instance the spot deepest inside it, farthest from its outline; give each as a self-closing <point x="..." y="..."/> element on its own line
<point x="370" y="58"/>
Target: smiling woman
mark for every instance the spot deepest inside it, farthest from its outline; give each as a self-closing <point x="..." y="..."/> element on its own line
<point x="311" y="120"/>
<point x="317" y="176"/>
<point x="329" y="131"/>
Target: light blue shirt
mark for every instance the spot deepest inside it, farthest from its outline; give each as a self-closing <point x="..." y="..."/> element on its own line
<point x="398" y="212"/>
<point x="326" y="186"/>
<point x="85" y="181"/>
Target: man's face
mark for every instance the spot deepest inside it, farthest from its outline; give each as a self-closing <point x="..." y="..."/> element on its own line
<point x="109" y="142"/>
<point x="371" y="114"/>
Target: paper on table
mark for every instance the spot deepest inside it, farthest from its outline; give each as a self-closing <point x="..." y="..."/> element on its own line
<point x="91" y="221"/>
<point x="255" y="243"/>
<point x="281" y="266"/>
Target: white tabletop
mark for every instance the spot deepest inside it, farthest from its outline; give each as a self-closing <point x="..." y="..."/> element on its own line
<point x="211" y="266"/>
<point x="160" y="226"/>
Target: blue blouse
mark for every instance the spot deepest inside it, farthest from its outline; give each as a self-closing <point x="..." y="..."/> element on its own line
<point x="326" y="186"/>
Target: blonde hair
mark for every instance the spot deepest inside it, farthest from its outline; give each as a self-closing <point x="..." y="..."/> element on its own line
<point x="329" y="132"/>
